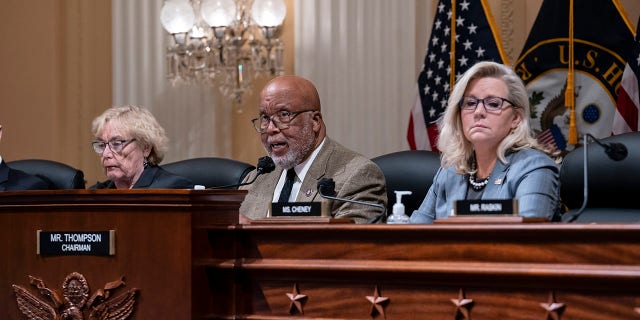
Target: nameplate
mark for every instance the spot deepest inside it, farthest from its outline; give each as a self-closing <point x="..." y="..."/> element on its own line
<point x="500" y="207"/>
<point x="297" y="209"/>
<point x="70" y="243"/>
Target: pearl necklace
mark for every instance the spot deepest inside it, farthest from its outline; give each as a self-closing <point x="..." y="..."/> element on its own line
<point x="477" y="185"/>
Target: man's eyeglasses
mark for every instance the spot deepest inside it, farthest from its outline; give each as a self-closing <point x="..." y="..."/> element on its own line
<point x="280" y="119"/>
<point x="115" y="145"/>
<point x="491" y="104"/>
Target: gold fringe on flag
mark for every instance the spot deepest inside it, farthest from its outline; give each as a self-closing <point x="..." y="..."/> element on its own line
<point x="569" y="96"/>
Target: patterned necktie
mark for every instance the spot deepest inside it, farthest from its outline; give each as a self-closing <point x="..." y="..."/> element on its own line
<point x="288" y="184"/>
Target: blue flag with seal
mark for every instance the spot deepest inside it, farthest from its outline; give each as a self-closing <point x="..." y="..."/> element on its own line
<point x="572" y="64"/>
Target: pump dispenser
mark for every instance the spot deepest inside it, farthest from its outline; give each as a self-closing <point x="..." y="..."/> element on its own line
<point x="398" y="216"/>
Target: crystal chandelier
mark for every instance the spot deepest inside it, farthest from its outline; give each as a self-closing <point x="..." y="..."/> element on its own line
<point x="225" y="43"/>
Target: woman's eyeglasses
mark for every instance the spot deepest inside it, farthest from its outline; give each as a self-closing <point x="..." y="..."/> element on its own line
<point x="490" y="104"/>
<point x="115" y="146"/>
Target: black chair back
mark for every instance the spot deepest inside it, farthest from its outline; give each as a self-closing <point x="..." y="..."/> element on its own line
<point x="408" y="171"/>
<point x="612" y="185"/>
<point x="210" y="172"/>
<point x="56" y="174"/>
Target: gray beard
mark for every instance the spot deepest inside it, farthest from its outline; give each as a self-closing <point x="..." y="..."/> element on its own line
<point x="295" y="157"/>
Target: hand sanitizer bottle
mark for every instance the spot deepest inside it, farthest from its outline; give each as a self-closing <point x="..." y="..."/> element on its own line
<point x="398" y="216"/>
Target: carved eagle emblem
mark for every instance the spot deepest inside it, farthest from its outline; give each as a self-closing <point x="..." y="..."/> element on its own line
<point x="554" y="108"/>
<point x="75" y="300"/>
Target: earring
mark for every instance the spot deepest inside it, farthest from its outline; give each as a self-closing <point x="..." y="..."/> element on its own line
<point x="145" y="163"/>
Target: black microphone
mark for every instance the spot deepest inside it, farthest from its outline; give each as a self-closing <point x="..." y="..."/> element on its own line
<point x="614" y="150"/>
<point x="327" y="190"/>
<point x="265" y="165"/>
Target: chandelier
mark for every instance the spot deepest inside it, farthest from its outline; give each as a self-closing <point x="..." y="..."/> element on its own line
<point x="224" y="43"/>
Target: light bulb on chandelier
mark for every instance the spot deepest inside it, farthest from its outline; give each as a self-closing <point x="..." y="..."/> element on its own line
<point x="224" y="43"/>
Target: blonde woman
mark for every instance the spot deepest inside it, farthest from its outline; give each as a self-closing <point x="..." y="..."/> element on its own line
<point x="488" y="151"/>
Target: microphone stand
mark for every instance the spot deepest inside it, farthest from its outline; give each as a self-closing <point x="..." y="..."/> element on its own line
<point x="322" y="188"/>
<point x="265" y="165"/>
<point x="235" y="185"/>
<point x="585" y="177"/>
<point x="615" y="151"/>
<point x="384" y="210"/>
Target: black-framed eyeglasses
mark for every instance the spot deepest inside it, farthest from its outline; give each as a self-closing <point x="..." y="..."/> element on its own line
<point x="114" y="145"/>
<point x="280" y="119"/>
<point x="491" y="104"/>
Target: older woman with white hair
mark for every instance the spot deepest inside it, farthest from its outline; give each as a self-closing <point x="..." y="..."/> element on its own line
<point x="131" y="143"/>
<point x="488" y="151"/>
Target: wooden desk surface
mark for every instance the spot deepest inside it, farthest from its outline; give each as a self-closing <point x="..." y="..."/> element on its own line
<point x="190" y="259"/>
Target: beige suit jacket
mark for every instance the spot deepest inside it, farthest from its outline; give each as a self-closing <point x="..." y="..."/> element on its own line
<point x="356" y="178"/>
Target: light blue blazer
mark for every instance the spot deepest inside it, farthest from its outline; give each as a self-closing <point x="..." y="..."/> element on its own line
<point x="529" y="175"/>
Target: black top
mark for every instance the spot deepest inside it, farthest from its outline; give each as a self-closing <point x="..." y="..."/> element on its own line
<point x="153" y="177"/>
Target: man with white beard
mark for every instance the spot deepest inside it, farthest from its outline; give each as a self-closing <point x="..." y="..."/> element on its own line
<point x="293" y="134"/>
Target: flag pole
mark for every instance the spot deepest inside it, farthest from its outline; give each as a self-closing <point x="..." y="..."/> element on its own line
<point x="452" y="40"/>
<point x="569" y="96"/>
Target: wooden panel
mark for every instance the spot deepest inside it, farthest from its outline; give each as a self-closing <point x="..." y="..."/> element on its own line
<point x="190" y="258"/>
<point x="58" y="54"/>
<point x="507" y="270"/>
<point x="153" y="242"/>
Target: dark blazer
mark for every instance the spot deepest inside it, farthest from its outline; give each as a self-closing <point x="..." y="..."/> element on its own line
<point x="356" y="178"/>
<point x="153" y="177"/>
<point x="13" y="180"/>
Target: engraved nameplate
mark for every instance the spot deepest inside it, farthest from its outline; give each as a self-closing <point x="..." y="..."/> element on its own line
<point x="297" y="209"/>
<point x="507" y="207"/>
<point x="65" y="243"/>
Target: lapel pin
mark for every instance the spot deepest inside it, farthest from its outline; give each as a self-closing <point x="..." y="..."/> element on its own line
<point x="309" y="192"/>
<point x="497" y="181"/>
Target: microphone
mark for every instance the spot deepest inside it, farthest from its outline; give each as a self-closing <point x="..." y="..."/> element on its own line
<point x="265" y="165"/>
<point x="327" y="190"/>
<point x="614" y="150"/>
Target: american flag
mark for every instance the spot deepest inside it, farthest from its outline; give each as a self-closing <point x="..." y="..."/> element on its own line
<point x="627" y="115"/>
<point x="476" y="39"/>
<point x="553" y="139"/>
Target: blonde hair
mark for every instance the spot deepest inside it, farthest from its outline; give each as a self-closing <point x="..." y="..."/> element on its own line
<point x="456" y="150"/>
<point x="139" y="123"/>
